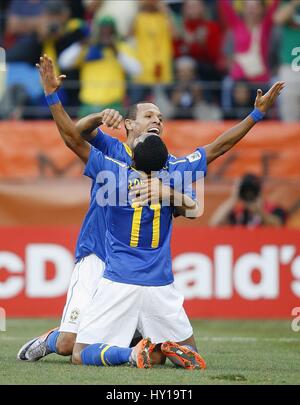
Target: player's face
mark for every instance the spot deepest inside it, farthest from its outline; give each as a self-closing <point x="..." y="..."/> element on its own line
<point x="148" y="120"/>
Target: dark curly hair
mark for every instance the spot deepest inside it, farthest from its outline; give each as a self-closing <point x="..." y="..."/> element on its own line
<point x="150" y="155"/>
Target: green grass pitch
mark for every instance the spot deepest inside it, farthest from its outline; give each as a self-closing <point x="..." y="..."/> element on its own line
<point x="237" y="352"/>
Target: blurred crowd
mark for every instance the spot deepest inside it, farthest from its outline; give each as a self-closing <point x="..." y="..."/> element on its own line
<point x="198" y="59"/>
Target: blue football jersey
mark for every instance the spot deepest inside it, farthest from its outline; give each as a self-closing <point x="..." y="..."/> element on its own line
<point x="137" y="239"/>
<point x="89" y="241"/>
<point x="91" y="237"/>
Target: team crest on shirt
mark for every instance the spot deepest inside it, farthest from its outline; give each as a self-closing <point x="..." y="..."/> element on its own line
<point x="194" y="156"/>
<point x="74" y="315"/>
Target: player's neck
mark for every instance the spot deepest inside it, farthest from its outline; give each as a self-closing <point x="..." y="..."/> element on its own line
<point x="129" y="142"/>
<point x="131" y="136"/>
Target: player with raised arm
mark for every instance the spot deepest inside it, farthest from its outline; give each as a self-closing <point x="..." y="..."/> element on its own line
<point x="138" y="237"/>
<point x="90" y="250"/>
<point x="93" y="320"/>
<point x="147" y="116"/>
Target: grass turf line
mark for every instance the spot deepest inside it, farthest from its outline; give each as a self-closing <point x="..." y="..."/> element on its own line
<point x="236" y="352"/>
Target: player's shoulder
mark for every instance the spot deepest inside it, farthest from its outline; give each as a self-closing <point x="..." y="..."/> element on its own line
<point x="198" y="154"/>
<point x="97" y="156"/>
<point x="171" y="157"/>
<point x="108" y="138"/>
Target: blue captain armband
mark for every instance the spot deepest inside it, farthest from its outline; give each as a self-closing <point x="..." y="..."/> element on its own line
<point x="52" y="98"/>
<point x="257" y="115"/>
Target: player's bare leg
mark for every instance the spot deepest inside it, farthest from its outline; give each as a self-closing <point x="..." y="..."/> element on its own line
<point x="65" y="343"/>
<point x="76" y="355"/>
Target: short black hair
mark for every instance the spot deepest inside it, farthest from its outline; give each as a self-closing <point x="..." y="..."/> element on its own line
<point x="132" y="110"/>
<point x="150" y="155"/>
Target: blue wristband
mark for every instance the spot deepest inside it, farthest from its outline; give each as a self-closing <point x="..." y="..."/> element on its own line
<point x="257" y="115"/>
<point x="52" y="98"/>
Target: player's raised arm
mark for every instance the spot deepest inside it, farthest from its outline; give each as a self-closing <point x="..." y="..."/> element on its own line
<point x="229" y="138"/>
<point x="65" y="125"/>
<point x="87" y="126"/>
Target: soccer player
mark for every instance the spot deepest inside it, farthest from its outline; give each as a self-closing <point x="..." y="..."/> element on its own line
<point x="137" y="290"/>
<point x="147" y="116"/>
<point x="139" y="295"/>
<point x="140" y="240"/>
<point x="101" y="320"/>
<point x="90" y="250"/>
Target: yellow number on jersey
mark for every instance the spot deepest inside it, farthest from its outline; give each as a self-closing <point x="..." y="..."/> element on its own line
<point x="136" y="225"/>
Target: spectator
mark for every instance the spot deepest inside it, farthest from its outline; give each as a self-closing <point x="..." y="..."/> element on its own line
<point x="122" y="11"/>
<point x="152" y="31"/>
<point x="246" y="207"/>
<point x="103" y="68"/>
<point x="242" y="104"/>
<point x="288" y="17"/>
<point x="185" y="100"/>
<point x="251" y="37"/>
<point x="55" y="34"/>
<point x="200" y="39"/>
<point x="23" y="18"/>
<point x="251" y="34"/>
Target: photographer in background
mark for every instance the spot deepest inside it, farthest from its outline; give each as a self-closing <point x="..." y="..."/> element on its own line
<point x="246" y="207"/>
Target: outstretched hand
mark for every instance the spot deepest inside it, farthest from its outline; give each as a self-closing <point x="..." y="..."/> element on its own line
<point x="50" y="81"/>
<point x="264" y="102"/>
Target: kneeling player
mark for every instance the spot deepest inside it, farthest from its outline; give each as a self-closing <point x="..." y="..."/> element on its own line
<point x="141" y="296"/>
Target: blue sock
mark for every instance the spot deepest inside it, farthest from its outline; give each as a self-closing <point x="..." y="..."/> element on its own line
<point x="51" y="341"/>
<point x="100" y="354"/>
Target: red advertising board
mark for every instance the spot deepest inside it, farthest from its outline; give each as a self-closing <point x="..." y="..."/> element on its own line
<point x="238" y="273"/>
<point x="223" y="273"/>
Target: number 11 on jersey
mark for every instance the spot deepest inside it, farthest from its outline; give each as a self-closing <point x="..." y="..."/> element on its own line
<point x="136" y="225"/>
